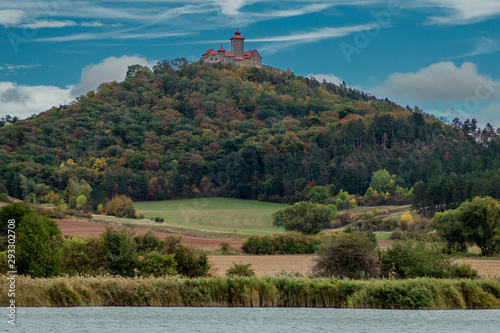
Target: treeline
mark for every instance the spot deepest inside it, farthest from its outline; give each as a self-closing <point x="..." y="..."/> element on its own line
<point x="183" y="130"/>
<point x="423" y="293"/>
<point x="448" y="191"/>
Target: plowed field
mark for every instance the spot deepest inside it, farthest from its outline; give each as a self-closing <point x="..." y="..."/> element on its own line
<point x="79" y="228"/>
<point x="274" y="264"/>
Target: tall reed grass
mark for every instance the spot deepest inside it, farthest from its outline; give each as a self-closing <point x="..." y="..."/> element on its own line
<point x="422" y="293"/>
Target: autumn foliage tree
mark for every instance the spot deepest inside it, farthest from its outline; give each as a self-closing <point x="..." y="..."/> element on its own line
<point x="121" y="206"/>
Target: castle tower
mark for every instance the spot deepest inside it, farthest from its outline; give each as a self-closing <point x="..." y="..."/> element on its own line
<point x="237" y="44"/>
<point x="222" y="52"/>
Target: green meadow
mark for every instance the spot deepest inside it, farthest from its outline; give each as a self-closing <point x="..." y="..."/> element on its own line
<point x="214" y="214"/>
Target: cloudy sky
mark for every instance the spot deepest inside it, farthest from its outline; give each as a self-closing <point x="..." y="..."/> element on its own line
<point x="439" y="55"/>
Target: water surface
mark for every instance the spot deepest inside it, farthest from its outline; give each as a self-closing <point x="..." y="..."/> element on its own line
<point x="255" y="320"/>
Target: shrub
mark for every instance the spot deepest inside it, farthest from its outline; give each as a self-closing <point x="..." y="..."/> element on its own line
<point x="191" y="262"/>
<point x="4" y="197"/>
<point x="4" y="267"/>
<point x="240" y="269"/>
<point x="290" y="243"/>
<point x="148" y="242"/>
<point x="39" y="246"/>
<point x="171" y="243"/>
<point x="406" y="221"/>
<point x="225" y="247"/>
<point x="398" y="235"/>
<point x="84" y="256"/>
<point x="158" y="265"/>
<point x="348" y="255"/>
<point x="411" y="259"/>
<point x="15" y="211"/>
<point x="159" y="219"/>
<point x="120" y="206"/>
<point x="120" y="252"/>
<point x="378" y="224"/>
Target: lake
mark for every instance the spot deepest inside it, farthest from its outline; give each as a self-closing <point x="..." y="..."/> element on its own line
<point x="261" y="320"/>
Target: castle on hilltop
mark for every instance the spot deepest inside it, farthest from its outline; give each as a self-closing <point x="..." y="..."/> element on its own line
<point x="236" y="56"/>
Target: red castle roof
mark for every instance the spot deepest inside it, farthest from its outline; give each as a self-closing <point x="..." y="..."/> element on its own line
<point x="248" y="54"/>
<point x="213" y="52"/>
<point x="209" y="52"/>
<point x="237" y="35"/>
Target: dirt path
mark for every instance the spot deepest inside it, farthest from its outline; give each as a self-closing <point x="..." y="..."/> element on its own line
<point x="80" y="228"/>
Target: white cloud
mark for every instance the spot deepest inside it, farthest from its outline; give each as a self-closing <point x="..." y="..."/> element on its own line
<point x="440" y="81"/>
<point x="41" y="24"/>
<point x="110" y="69"/>
<point x="14" y="67"/>
<point x="110" y="35"/>
<point x="482" y="46"/>
<point x="10" y="17"/>
<point x="491" y="114"/>
<point x="94" y="24"/>
<point x="317" y="34"/>
<point x="484" y="113"/>
<point x="23" y="101"/>
<point x="232" y="7"/>
<point x="283" y="41"/>
<point x="463" y="11"/>
<point x="328" y="78"/>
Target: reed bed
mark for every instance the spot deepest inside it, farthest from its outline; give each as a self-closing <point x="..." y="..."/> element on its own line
<point x="421" y="293"/>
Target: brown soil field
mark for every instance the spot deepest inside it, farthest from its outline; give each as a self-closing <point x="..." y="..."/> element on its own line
<point x="274" y="264"/>
<point x="486" y="268"/>
<point x="80" y="228"/>
<point x="264" y="265"/>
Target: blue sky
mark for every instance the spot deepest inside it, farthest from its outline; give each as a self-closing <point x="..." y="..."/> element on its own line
<point x="440" y="55"/>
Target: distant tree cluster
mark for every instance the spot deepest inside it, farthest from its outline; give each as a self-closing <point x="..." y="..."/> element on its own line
<point x="476" y="221"/>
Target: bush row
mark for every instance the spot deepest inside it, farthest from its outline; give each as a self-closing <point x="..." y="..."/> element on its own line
<point x="289" y="243"/>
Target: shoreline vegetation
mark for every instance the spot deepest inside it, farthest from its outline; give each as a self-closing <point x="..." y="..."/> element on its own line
<point x="419" y="293"/>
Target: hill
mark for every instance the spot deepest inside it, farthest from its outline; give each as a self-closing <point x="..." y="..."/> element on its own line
<point x="186" y="130"/>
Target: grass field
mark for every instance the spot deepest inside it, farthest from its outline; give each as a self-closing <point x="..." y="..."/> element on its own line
<point x="215" y="214"/>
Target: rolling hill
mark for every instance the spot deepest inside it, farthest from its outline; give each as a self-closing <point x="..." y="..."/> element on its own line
<point x="188" y="130"/>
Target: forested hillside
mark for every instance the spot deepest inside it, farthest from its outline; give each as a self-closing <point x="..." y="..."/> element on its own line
<point x="185" y="130"/>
